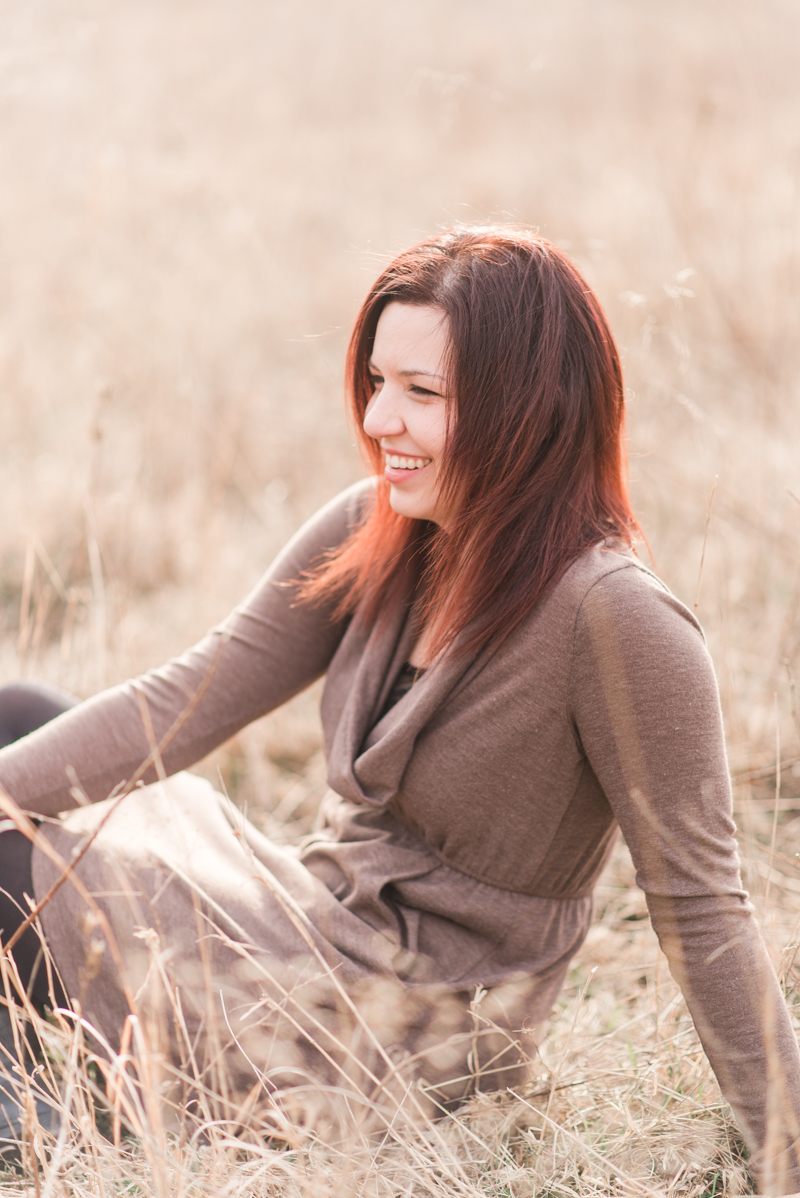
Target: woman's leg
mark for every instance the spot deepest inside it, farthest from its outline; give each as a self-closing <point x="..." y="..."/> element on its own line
<point x="22" y="1048"/>
<point x="16" y="882"/>
<point x="24" y="707"/>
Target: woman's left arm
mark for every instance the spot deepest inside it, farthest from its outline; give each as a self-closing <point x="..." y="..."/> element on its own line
<point x="645" y="705"/>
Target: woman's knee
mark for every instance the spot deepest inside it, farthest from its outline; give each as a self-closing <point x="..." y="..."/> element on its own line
<point x="26" y="705"/>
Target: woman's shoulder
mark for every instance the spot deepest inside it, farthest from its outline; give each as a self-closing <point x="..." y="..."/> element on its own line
<point x="342" y="513"/>
<point x="621" y="619"/>
<point x="330" y="525"/>
<point x="608" y="597"/>
<point x="607" y="582"/>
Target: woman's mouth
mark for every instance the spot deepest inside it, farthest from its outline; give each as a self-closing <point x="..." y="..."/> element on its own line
<point x="398" y="462"/>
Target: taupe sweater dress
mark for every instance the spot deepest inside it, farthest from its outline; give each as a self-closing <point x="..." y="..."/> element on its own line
<point x="458" y="846"/>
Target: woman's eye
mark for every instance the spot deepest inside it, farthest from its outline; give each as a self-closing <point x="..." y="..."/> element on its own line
<point x="376" y="381"/>
<point x="423" y="391"/>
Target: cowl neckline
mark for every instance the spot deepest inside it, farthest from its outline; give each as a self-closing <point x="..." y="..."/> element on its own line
<point x="368" y="751"/>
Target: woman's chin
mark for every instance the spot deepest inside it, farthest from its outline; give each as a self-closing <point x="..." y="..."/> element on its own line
<point x="414" y="507"/>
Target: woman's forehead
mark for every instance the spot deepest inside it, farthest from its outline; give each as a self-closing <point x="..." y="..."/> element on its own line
<point x="412" y="339"/>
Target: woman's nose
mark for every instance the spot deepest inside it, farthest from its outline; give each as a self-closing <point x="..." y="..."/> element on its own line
<point x="382" y="418"/>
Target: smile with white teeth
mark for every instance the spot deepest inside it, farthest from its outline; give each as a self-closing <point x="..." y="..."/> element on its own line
<point x="400" y="463"/>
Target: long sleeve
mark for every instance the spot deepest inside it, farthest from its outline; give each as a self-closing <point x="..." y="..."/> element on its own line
<point x="645" y="707"/>
<point x="267" y="650"/>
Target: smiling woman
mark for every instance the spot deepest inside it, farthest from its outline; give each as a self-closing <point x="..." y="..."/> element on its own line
<point x="507" y="686"/>
<point x="523" y="392"/>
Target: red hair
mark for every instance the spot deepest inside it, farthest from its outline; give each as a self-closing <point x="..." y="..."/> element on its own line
<point x="534" y="464"/>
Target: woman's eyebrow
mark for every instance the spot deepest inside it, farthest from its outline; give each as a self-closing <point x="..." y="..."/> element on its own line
<point x="430" y="374"/>
<point x="406" y="374"/>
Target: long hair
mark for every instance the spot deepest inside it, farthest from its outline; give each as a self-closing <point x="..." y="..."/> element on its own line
<point x="534" y="465"/>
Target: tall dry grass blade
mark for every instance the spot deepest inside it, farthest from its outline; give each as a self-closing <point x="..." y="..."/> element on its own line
<point x="557" y="1074"/>
<point x="99" y="612"/>
<point x="23" y="636"/>
<point x="777" y="805"/>
<point x="705" y="542"/>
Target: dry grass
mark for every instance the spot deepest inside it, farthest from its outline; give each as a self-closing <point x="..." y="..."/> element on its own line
<point x="195" y="196"/>
<point x="621" y="1102"/>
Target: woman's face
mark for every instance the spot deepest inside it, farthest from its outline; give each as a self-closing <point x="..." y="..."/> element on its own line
<point x="407" y="413"/>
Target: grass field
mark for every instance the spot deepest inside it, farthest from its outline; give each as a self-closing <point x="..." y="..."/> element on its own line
<point x="194" y="197"/>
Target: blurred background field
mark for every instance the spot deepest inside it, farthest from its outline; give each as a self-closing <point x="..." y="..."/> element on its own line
<point x="194" y="197"/>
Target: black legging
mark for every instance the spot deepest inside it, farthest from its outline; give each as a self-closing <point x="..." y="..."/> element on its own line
<point x="24" y="707"/>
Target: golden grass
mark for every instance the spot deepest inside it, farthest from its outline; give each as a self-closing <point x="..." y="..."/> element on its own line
<point x="195" y="196"/>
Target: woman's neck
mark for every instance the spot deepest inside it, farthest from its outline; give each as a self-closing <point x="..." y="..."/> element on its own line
<point x="420" y="656"/>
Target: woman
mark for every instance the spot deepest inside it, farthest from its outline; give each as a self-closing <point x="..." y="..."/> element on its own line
<point x="506" y="684"/>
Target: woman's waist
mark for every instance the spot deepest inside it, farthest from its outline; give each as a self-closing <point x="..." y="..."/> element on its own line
<point x="448" y="926"/>
<point x="354" y="836"/>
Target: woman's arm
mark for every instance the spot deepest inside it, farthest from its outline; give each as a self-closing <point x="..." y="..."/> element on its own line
<point x="266" y="651"/>
<point x="646" y="709"/>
